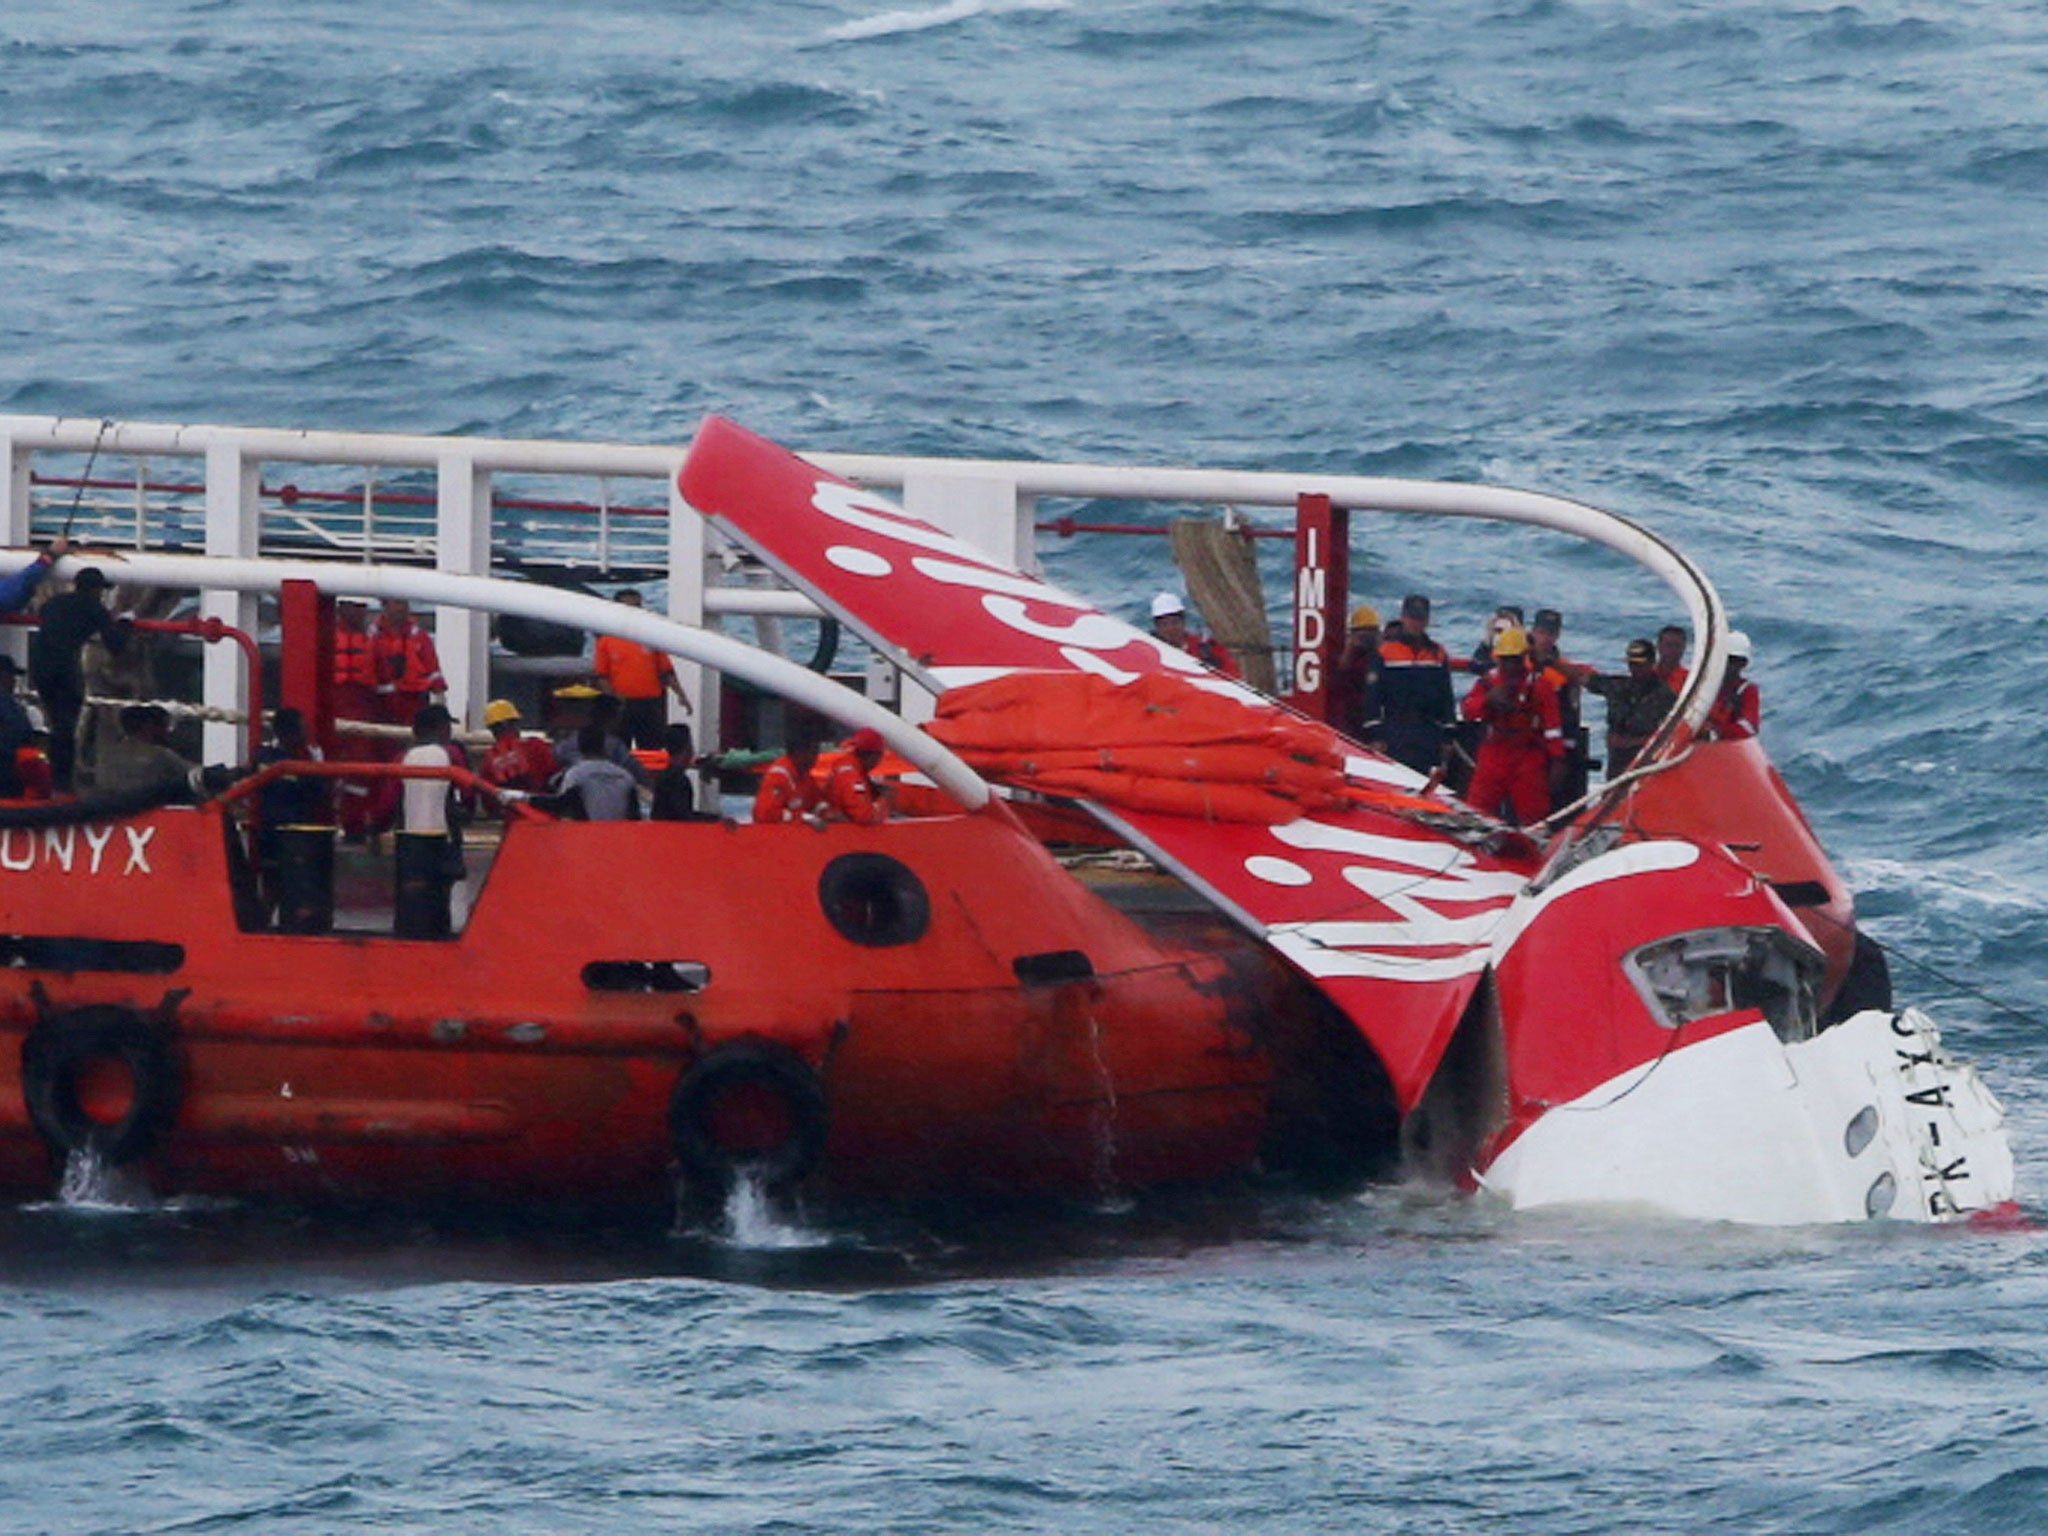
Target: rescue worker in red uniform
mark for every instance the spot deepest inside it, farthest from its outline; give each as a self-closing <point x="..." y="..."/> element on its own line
<point x="850" y="792"/>
<point x="1170" y="627"/>
<point x="1738" y="708"/>
<point x="408" y="667"/>
<point x="1524" y="742"/>
<point x="355" y="669"/>
<point x="515" y="760"/>
<point x="789" y="791"/>
<point x="355" y="698"/>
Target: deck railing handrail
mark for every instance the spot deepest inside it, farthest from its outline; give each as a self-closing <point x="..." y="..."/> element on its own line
<point x="991" y="502"/>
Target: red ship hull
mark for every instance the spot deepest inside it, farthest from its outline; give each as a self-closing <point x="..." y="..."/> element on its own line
<point x="1018" y="1035"/>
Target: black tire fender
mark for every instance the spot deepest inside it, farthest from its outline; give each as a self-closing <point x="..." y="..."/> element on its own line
<point x="762" y="1067"/>
<point x="54" y="1060"/>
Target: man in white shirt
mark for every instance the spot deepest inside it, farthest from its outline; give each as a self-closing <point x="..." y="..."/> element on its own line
<point x="426" y="800"/>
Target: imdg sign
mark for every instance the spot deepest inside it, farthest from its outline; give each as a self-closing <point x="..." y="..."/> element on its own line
<point x="1322" y="586"/>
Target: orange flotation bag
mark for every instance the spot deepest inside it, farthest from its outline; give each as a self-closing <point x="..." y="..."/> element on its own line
<point x="1155" y="743"/>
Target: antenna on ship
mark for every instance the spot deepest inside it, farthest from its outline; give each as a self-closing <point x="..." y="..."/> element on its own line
<point x="78" y="495"/>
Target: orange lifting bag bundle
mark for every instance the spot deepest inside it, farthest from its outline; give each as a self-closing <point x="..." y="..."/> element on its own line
<point x="1155" y="743"/>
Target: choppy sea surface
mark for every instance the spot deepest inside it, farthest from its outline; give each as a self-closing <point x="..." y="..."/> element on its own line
<point x="1767" y="276"/>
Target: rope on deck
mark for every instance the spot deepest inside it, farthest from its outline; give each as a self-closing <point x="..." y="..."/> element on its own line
<point x="1222" y="573"/>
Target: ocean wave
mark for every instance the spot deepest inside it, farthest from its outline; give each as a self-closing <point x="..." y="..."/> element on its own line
<point x="1455" y="211"/>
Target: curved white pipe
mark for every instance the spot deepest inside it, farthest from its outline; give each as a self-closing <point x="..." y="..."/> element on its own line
<point x="494" y="594"/>
<point x="1429" y="498"/>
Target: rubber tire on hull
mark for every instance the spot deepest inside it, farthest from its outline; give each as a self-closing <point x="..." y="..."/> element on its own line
<point x="54" y="1058"/>
<point x="748" y="1063"/>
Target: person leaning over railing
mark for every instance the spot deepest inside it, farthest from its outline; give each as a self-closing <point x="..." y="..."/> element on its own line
<point x="16" y="590"/>
<point x="1637" y="702"/>
<point x="69" y="620"/>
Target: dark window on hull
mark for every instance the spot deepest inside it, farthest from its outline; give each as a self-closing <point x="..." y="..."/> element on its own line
<point x="647" y="976"/>
<point x="1053" y="967"/>
<point x="142" y="957"/>
<point x="874" y="900"/>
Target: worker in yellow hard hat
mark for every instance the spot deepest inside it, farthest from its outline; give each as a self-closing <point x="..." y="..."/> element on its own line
<point x="1523" y="744"/>
<point x="1355" y="688"/>
<point x="515" y="760"/>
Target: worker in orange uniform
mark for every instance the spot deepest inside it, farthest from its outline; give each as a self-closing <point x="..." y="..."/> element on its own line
<point x="1170" y="627"/>
<point x="1670" y="667"/>
<point x="408" y="667"/>
<point x="1738" y="708"/>
<point x="1524" y="741"/>
<point x="850" y="792"/>
<point x="637" y="674"/>
<point x="789" y="790"/>
<point x="1547" y="661"/>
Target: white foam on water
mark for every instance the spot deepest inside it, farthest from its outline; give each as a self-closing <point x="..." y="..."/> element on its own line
<point x="91" y="1188"/>
<point x="890" y="23"/>
<point x="1948" y="884"/>
<point x="752" y="1221"/>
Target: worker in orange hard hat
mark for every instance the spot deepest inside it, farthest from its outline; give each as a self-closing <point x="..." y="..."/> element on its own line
<point x="850" y="790"/>
<point x="1523" y="745"/>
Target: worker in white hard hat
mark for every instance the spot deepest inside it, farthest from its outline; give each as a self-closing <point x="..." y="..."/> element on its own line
<point x="1738" y="708"/>
<point x="1170" y="627"/>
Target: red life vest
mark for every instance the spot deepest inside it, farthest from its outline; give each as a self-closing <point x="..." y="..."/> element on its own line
<point x="406" y="659"/>
<point x="353" y="662"/>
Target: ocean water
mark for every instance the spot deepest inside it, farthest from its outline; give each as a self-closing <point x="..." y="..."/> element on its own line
<point x="1767" y="276"/>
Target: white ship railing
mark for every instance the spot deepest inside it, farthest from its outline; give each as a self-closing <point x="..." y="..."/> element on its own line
<point x="230" y="513"/>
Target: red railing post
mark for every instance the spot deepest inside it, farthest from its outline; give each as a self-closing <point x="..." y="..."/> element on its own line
<point x="1322" y="594"/>
<point x="305" y="672"/>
